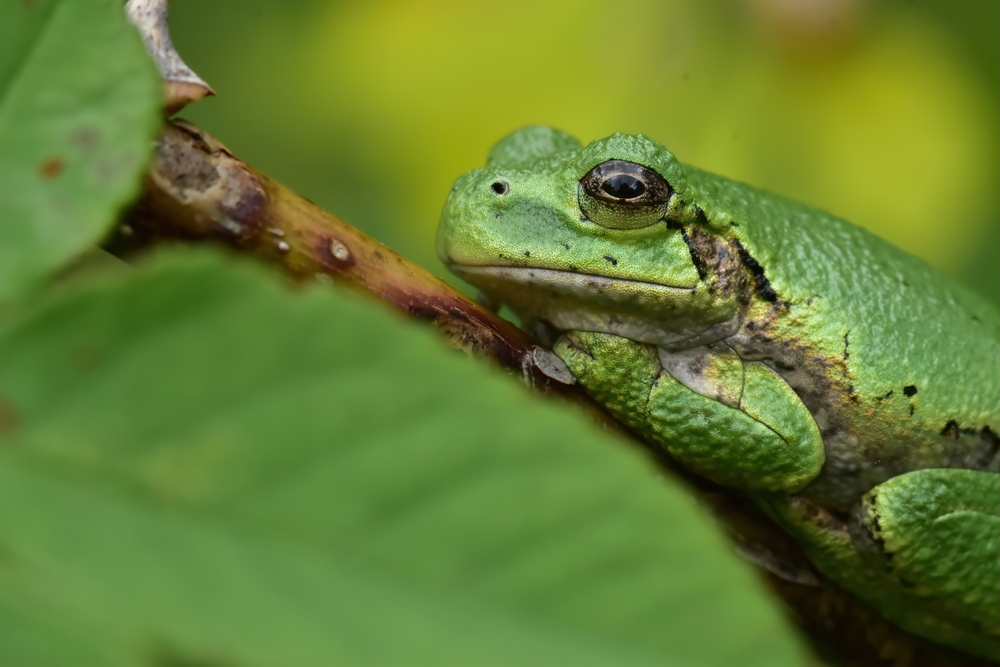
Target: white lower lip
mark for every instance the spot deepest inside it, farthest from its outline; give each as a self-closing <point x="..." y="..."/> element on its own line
<point x="642" y="311"/>
<point x="565" y="279"/>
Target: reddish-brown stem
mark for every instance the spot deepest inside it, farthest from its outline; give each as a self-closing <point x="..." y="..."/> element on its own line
<point x="197" y="190"/>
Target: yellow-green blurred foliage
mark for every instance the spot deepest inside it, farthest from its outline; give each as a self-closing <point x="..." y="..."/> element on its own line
<point x="885" y="113"/>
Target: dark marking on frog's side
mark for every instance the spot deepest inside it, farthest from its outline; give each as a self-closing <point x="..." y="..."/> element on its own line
<point x="763" y="285"/>
<point x="612" y="260"/>
<point x="717" y="263"/>
<point x="993" y="444"/>
<point x="498" y="215"/>
<point x="910" y="390"/>
<point x="527" y="253"/>
<point x="912" y="409"/>
<point x="876" y="520"/>
<point x="847" y="355"/>
<point x="951" y="430"/>
<point x="565" y="245"/>
<point x="979" y="446"/>
<point x="699" y="264"/>
<point x="812" y="298"/>
<point x="865" y="529"/>
<point x="822" y="384"/>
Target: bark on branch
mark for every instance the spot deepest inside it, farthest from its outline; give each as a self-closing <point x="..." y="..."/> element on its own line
<point x="197" y="190"/>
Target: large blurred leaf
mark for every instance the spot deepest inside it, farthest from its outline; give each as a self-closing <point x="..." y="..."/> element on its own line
<point x="79" y="105"/>
<point x="201" y="465"/>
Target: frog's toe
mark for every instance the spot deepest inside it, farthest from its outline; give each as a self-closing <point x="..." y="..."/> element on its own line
<point x="605" y="354"/>
<point x="574" y="344"/>
<point x="616" y="371"/>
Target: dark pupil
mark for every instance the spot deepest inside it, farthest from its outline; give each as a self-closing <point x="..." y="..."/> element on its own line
<point x="623" y="186"/>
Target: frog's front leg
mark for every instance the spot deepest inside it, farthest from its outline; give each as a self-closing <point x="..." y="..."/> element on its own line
<point x="734" y="422"/>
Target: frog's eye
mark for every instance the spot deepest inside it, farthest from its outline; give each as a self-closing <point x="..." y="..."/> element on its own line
<point x="623" y="186"/>
<point x="624" y="195"/>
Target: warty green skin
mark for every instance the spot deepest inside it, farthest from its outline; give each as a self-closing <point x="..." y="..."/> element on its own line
<point x="770" y="347"/>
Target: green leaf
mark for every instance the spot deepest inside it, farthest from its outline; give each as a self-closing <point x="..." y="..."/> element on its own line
<point x="198" y="466"/>
<point x="79" y="105"/>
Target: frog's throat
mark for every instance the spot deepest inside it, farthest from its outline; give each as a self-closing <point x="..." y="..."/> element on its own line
<point x="646" y="312"/>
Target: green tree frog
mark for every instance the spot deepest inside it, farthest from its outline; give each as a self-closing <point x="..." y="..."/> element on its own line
<point x="851" y="390"/>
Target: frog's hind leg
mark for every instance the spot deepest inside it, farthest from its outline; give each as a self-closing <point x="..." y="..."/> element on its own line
<point x="936" y="534"/>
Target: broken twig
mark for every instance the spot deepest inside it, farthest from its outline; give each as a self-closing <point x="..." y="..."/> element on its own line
<point x="181" y="84"/>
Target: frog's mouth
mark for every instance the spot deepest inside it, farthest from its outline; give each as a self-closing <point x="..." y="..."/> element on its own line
<point x="564" y="281"/>
<point x="666" y="315"/>
<point x="649" y="312"/>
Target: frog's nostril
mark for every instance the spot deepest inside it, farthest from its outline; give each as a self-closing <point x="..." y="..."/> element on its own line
<point x="500" y="187"/>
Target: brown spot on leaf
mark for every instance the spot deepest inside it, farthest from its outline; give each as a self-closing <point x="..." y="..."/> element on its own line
<point x="86" y="358"/>
<point x="85" y="137"/>
<point x="51" y="167"/>
<point x="164" y="654"/>
<point x="10" y="420"/>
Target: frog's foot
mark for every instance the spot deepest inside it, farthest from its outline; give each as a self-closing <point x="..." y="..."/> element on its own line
<point x="736" y="423"/>
<point x="616" y="371"/>
<point x="936" y="534"/>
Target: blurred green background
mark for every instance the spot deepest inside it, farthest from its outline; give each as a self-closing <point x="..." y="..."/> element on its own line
<point x="885" y="113"/>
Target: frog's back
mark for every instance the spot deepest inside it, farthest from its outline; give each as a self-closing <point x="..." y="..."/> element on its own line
<point x="915" y="355"/>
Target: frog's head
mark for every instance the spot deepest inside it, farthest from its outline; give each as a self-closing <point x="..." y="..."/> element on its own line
<point x="595" y="238"/>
